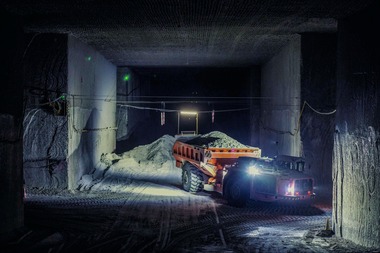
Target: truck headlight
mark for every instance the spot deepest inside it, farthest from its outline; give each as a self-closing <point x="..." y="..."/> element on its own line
<point x="252" y="170"/>
<point x="290" y="189"/>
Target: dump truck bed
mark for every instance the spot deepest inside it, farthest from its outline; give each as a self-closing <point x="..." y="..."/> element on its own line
<point x="208" y="159"/>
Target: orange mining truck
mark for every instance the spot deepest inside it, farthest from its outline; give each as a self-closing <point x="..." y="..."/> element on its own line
<point x="240" y="174"/>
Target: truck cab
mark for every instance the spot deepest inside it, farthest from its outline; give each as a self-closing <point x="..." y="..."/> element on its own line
<point x="268" y="179"/>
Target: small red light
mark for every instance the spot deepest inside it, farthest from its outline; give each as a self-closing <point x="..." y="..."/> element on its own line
<point x="309" y="193"/>
<point x="297" y="193"/>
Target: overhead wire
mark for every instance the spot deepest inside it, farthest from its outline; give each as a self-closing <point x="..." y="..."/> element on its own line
<point x="318" y="112"/>
<point x="127" y="103"/>
<point x="178" y="111"/>
<point x="178" y="97"/>
<point x="299" y="120"/>
<point x="314" y="110"/>
<point x="107" y="99"/>
<point x="192" y="100"/>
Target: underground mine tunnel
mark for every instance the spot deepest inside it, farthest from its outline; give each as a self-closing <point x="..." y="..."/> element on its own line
<point x="94" y="95"/>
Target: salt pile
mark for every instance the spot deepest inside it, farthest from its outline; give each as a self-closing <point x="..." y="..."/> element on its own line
<point x="153" y="162"/>
<point x="223" y="141"/>
<point x="217" y="139"/>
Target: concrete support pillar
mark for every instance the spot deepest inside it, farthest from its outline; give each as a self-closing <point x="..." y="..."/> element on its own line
<point x="280" y="105"/>
<point x="92" y="109"/>
<point x="255" y="93"/>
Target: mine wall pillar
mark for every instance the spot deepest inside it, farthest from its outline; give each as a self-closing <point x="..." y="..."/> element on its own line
<point x="356" y="154"/>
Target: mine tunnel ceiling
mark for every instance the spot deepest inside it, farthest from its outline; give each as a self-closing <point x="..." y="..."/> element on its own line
<point x="183" y="33"/>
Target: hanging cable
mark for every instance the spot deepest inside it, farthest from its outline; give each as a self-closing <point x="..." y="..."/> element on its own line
<point x="299" y="120"/>
<point x="178" y="111"/>
<point x="217" y="100"/>
<point x="227" y="110"/>
<point x="318" y="112"/>
<point x="148" y="108"/>
<point x="322" y="113"/>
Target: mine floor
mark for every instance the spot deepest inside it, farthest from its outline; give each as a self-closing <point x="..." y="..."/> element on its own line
<point x="159" y="218"/>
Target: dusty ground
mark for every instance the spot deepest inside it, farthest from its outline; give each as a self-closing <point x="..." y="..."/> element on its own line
<point x="133" y="203"/>
<point x="164" y="218"/>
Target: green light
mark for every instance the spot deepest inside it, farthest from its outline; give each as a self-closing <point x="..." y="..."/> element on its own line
<point x="62" y="97"/>
<point x="89" y="58"/>
<point x="126" y="77"/>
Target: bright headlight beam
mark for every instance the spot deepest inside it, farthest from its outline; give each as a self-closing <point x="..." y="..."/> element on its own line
<point x="290" y="190"/>
<point x="162" y="191"/>
<point x="252" y="170"/>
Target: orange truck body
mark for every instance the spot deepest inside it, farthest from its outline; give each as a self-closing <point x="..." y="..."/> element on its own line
<point x="209" y="159"/>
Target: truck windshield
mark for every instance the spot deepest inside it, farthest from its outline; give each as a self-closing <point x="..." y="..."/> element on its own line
<point x="286" y="165"/>
<point x="300" y="166"/>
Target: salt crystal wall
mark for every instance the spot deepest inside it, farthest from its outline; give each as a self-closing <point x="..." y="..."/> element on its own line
<point x="356" y="157"/>
<point x="45" y="120"/>
<point x="45" y="150"/>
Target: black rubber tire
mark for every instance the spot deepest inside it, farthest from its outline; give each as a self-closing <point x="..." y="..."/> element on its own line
<point x="237" y="191"/>
<point x="192" y="178"/>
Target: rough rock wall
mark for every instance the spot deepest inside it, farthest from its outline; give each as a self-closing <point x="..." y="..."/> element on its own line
<point x="11" y="105"/>
<point x="318" y="85"/>
<point x="11" y="192"/>
<point x="45" y="150"/>
<point x="356" y="160"/>
<point x="124" y="81"/>
<point x="45" y="119"/>
<point x="356" y="177"/>
<point x="45" y="71"/>
<point x="121" y="122"/>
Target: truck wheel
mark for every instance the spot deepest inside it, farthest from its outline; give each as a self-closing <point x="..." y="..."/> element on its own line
<point x="192" y="178"/>
<point x="237" y="191"/>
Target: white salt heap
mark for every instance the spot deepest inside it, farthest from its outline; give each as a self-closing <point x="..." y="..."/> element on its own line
<point x="153" y="163"/>
<point x="223" y="141"/>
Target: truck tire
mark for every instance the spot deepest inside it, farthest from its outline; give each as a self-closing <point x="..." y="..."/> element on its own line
<point x="237" y="191"/>
<point x="192" y="178"/>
